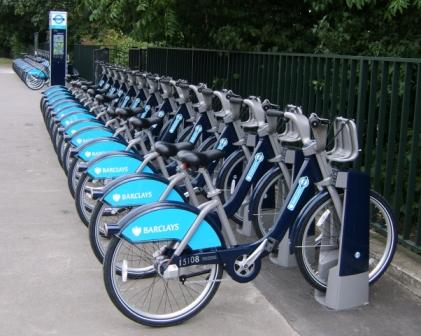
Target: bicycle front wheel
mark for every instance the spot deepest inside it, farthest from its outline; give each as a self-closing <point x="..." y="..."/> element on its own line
<point x="102" y="215"/>
<point x="229" y="176"/>
<point x="321" y="232"/>
<point x="268" y="200"/>
<point x="83" y="199"/>
<point x="152" y="300"/>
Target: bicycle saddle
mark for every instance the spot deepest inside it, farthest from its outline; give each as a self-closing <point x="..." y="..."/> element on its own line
<point x="91" y="92"/>
<point x="168" y="149"/>
<point x="142" y="123"/>
<point x="100" y="91"/>
<point x="99" y="98"/>
<point x="111" y="111"/>
<point x="108" y="99"/>
<point x="125" y="112"/>
<point x="199" y="159"/>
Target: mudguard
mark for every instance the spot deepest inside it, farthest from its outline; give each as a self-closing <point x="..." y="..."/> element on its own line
<point x="49" y="110"/>
<point x="67" y="102"/>
<point x="56" y="97"/>
<point x="139" y="189"/>
<point x="169" y="221"/>
<point x="53" y="89"/>
<point x="66" y="121"/>
<point x="115" y="164"/>
<point x="260" y="183"/>
<point x="53" y="112"/>
<point x="37" y="73"/>
<point x="85" y="135"/>
<point x="97" y="147"/>
<point x="80" y="124"/>
<point x="228" y="160"/>
<point x="299" y="222"/>
<point x="69" y="111"/>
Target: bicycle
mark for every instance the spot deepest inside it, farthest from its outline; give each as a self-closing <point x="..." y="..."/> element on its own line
<point x="183" y="253"/>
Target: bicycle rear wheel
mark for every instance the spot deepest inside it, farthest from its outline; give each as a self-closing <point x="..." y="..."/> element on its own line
<point x="150" y="299"/>
<point x="103" y="214"/>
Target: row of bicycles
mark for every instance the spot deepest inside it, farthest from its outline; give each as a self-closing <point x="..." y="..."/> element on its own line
<point x="33" y="70"/>
<point x="166" y="175"/>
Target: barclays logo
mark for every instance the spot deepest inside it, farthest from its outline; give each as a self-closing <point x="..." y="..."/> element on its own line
<point x="108" y="170"/>
<point x="132" y="196"/>
<point x="92" y="154"/>
<point x="137" y="230"/>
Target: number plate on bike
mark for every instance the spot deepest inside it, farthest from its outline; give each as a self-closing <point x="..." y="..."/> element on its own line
<point x="196" y="260"/>
<point x="251" y="140"/>
<point x="221" y="127"/>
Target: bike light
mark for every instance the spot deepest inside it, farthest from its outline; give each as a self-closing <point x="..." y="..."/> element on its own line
<point x="96" y="193"/>
<point x="111" y="229"/>
<point x="82" y="167"/>
<point x="73" y="152"/>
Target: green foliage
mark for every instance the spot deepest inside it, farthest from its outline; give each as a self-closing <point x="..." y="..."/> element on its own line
<point x="120" y="45"/>
<point x="153" y="21"/>
<point x="370" y="27"/>
<point x="20" y="19"/>
<point x="16" y="46"/>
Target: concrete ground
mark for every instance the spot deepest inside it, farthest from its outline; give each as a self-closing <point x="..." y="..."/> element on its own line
<point x="51" y="284"/>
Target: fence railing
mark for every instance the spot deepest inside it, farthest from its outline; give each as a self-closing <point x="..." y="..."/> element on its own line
<point x="382" y="94"/>
<point x="84" y="57"/>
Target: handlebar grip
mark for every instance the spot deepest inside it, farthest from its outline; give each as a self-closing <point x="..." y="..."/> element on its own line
<point x="183" y="85"/>
<point x="230" y="95"/>
<point x="269" y="106"/>
<point x="151" y="77"/>
<point x="165" y="80"/>
<point x="207" y="91"/>
<point x="315" y="121"/>
<point x="236" y="100"/>
<point x="274" y="113"/>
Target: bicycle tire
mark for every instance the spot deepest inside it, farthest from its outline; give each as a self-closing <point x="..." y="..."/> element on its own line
<point x="302" y="241"/>
<point x="113" y="282"/>
<point x="263" y="214"/>
<point x="231" y="168"/>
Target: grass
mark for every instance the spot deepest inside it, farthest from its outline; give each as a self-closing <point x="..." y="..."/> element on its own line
<point x="4" y="61"/>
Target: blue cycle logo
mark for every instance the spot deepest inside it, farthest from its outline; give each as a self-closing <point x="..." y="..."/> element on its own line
<point x="197" y="130"/>
<point x="59" y="19"/>
<point x="303" y="183"/>
<point x="222" y="144"/>
<point x="177" y="121"/>
<point x="257" y="160"/>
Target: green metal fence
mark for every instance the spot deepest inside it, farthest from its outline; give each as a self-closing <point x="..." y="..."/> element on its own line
<point x="382" y="94"/>
<point x="84" y="57"/>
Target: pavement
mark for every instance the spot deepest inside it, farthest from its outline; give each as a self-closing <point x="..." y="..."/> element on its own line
<point x="51" y="284"/>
